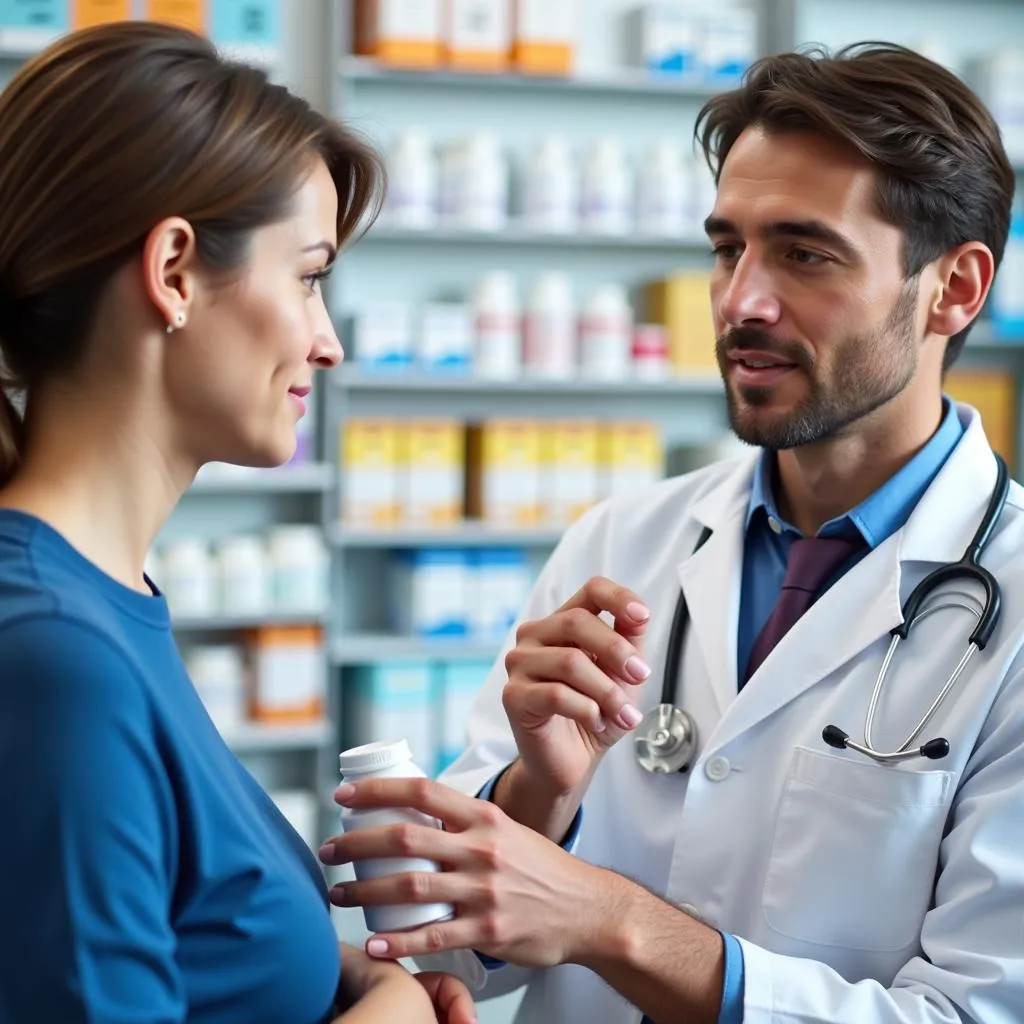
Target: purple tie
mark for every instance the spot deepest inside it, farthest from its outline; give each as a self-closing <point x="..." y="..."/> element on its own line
<point x="812" y="560"/>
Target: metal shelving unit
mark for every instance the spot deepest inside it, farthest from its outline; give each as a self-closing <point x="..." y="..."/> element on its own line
<point x="234" y="623"/>
<point x="362" y="648"/>
<point x="468" y="534"/>
<point x="257" y="738"/>
<point x="355" y="378"/>
<point x="312" y="477"/>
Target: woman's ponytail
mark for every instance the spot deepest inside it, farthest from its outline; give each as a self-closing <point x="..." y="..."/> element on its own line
<point x="12" y="437"/>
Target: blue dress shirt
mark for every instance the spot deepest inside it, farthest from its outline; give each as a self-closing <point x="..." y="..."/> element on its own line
<point x="766" y="548"/>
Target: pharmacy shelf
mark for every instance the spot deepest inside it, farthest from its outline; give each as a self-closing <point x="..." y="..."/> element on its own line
<point x="634" y="82"/>
<point x="468" y="534"/>
<point x="366" y="648"/>
<point x="354" y="378"/>
<point x="515" y="235"/>
<point x="313" y="477"/>
<point x="257" y="738"/>
<point x="228" y="623"/>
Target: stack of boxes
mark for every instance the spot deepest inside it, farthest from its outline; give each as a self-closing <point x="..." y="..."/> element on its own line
<point x="507" y="472"/>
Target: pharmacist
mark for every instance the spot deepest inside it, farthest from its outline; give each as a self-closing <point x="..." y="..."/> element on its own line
<point x="862" y="209"/>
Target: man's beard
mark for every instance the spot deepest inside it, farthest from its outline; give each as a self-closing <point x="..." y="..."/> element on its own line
<point x="868" y="371"/>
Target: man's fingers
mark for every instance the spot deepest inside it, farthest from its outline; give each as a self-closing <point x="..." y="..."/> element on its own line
<point x="614" y="654"/>
<point x="587" y="696"/>
<point x="601" y="594"/>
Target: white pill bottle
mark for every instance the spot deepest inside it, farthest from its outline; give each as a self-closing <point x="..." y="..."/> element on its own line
<point x="389" y="760"/>
<point x="393" y="760"/>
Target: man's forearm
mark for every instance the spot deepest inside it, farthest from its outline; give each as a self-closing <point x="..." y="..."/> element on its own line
<point x="534" y="805"/>
<point x="665" y="962"/>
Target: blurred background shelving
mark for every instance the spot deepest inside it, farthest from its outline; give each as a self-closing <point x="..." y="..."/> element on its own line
<point x="367" y="587"/>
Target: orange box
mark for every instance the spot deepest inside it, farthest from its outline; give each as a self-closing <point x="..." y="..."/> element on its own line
<point x="544" y="36"/>
<point x="287" y="679"/>
<point x="86" y="13"/>
<point x="478" y="35"/>
<point x="184" y="13"/>
<point x="399" y="32"/>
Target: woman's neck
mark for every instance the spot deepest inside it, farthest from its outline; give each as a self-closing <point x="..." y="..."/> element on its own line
<point x="101" y="477"/>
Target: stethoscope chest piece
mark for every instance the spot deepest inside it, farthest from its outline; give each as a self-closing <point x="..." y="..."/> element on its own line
<point x="666" y="740"/>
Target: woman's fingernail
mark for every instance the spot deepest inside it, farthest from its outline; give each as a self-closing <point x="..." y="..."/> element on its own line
<point x="638" y="612"/>
<point x="630" y="716"/>
<point x="343" y="794"/>
<point x="377" y="947"/>
<point x="637" y="668"/>
<point x="600" y="725"/>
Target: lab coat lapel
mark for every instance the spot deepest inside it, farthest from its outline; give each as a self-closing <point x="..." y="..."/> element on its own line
<point x="866" y="604"/>
<point x="711" y="579"/>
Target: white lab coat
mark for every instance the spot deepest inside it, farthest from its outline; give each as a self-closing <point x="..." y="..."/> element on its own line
<point x="861" y="893"/>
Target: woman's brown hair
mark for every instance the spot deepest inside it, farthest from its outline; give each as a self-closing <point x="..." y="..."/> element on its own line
<point x="109" y="131"/>
<point x="943" y="174"/>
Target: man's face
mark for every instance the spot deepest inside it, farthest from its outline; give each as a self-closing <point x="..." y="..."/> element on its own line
<point x="816" y="325"/>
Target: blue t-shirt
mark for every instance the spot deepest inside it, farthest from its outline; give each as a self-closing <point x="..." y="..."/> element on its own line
<point x="145" y="878"/>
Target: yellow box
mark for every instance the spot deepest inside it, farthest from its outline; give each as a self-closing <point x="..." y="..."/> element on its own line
<point x="402" y="33"/>
<point x="569" y="474"/>
<point x="370" y="471"/>
<point x="86" y="13"/>
<point x="994" y="394"/>
<point x="184" y="13"/>
<point x="682" y="303"/>
<point x="503" y="471"/>
<point x="433" y="471"/>
<point x="631" y="456"/>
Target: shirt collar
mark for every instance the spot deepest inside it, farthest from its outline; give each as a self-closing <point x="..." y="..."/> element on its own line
<point x="881" y="513"/>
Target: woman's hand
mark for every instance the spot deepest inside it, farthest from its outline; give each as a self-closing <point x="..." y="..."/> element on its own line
<point x="519" y="896"/>
<point x="378" y="990"/>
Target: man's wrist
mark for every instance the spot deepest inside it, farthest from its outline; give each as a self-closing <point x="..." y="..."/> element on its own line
<point x="522" y="798"/>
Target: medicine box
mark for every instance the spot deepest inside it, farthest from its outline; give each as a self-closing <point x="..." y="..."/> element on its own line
<point x="544" y="36"/>
<point x="727" y="42"/>
<point x="369" y="472"/>
<point x="503" y="472"/>
<point x="665" y="37"/>
<point x="500" y="582"/>
<point x="631" y="457"/>
<point x="287" y="678"/>
<point x="446" y="338"/>
<point x="391" y="700"/>
<point x="184" y="13"/>
<point x="433" y="454"/>
<point x="382" y="336"/>
<point x="478" y="34"/>
<point x="456" y="687"/>
<point x="1008" y="289"/>
<point x="568" y="469"/>
<point x="682" y="303"/>
<point x="403" y="33"/>
<point x="246" y="30"/>
<point x="431" y="592"/>
<point x="86" y="13"/>
<point x="994" y="394"/>
<point x="26" y="28"/>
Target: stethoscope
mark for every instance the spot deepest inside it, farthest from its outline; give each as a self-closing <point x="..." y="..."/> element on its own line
<point x="666" y="739"/>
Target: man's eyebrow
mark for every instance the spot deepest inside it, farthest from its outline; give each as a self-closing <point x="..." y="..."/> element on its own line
<point x="813" y="230"/>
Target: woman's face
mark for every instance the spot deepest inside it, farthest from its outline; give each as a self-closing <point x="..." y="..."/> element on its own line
<point x="239" y="371"/>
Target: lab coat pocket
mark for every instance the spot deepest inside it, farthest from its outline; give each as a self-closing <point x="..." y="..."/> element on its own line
<point x="854" y="854"/>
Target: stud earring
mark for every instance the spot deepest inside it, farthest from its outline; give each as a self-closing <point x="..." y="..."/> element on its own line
<point x="179" y="321"/>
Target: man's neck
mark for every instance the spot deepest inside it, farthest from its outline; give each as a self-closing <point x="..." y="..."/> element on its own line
<point x="816" y="483"/>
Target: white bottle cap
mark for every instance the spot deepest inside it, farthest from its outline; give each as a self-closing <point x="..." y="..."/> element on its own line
<point x="374" y="757"/>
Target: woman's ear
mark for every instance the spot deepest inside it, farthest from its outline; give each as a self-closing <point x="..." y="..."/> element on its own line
<point x="169" y="270"/>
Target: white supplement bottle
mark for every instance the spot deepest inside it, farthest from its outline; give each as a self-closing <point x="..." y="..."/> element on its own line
<point x="389" y="760"/>
<point x="549" y="331"/>
<point x="498" y="324"/>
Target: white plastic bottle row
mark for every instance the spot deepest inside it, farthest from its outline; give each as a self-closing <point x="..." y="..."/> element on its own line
<point x="468" y="184"/>
<point x="287" y="571"/>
